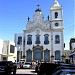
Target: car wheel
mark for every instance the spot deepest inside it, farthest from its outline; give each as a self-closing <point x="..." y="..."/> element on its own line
<point x="14" y="73"/>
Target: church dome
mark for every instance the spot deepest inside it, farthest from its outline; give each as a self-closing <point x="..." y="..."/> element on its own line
<point x="38" y="16"/>
<point x="38" y="10"/>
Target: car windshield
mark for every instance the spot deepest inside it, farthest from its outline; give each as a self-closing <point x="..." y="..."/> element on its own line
<point x="2" y="63"/>
<point x="27" y="63"/>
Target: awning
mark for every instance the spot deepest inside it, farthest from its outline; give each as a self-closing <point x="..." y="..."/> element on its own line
<point x="71" y="55"/>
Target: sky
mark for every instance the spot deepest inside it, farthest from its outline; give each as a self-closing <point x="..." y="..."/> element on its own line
<point x="14" y="15"/>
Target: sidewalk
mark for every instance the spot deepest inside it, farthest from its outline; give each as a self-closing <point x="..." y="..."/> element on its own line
<point x="26" y="71"/>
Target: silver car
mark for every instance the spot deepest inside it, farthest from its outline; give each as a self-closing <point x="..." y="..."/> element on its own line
<point x="27" y="65"/>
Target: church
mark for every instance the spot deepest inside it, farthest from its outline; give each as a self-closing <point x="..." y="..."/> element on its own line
<point x="42" y="40"/>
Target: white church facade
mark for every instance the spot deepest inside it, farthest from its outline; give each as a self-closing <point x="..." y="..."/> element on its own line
<point x="43" y="39"/>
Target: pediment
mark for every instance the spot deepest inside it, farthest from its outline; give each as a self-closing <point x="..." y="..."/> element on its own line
<point x="38" y="27"/>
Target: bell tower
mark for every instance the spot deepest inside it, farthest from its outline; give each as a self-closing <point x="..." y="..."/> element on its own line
<point x="56" y="21"/>
<point x="56" y="15"/>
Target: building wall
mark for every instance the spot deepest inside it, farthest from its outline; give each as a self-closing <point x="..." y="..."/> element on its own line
<point x="12" y="56"/>
<point x="58" y="46"/>
<point x="42" y="33"/>
<point x="5" y="47"/>
<point x="59" y="16"/>
<point x="16" y="41"/>
<point x="5" y="50"/>
<point x="44" y="27"/>
<point x="1" y="48"/>
<point x="73" y="45"/>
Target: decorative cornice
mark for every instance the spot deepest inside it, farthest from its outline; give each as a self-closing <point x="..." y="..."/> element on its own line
<point x="37" y="27"/>
<point x="49" y="30"/>
<point x="53" y="20"/>
<point x="58" y="29"/>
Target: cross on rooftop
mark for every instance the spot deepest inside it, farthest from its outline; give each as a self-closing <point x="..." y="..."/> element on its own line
<point x="38" y="5"/>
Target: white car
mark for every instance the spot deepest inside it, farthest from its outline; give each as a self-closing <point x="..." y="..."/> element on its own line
<point x="27" y="65"/>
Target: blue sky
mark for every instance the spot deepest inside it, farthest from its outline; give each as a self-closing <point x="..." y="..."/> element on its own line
<point x="14" y="14"/>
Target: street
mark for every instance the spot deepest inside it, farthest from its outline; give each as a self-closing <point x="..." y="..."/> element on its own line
<point x="25" y="72"/>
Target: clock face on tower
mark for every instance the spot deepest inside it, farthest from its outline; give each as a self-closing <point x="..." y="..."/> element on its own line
<point x="56" y="24"/>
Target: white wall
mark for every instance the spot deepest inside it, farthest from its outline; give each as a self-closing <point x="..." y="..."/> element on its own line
<point x="12" y="56"/>
<point x="16" y="40"/>
<point x="73" y="45"/>
<point x="57" y="46"/>
<point x="1" y="46"/>
<point x="11" y="43"/>
<point x="53" y="14"/>
<point x="42" y="33"/>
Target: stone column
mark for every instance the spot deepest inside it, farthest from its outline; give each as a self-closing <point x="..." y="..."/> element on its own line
<point x="62" y="46"/>
<point x="52" y="56"/>
<point x="25" y="56"/>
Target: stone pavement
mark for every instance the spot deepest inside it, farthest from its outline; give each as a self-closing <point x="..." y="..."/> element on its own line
<point x="26" y="71"/>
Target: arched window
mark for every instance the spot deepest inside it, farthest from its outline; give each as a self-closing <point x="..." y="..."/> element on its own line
<point x="56" y="14"/>
<point x="46" y="39"/>
<point x="19" y="40"/>
<point x="57" y="55"/>
<point x="29" y="55"/>
<point x="37" y="39"/>
<point x="29" y="39"/>
<point x="57" y="39"/>
<point x="46" y="55"/>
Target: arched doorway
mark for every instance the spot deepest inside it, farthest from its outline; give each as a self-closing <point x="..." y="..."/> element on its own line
<point x="46" y="55"/>
<point x="29" y="56"/>
<point x="37" y="54"/>
<point x="57" y="55"/>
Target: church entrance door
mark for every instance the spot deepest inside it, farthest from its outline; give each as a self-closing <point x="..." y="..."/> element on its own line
<point x="37" y="54"/>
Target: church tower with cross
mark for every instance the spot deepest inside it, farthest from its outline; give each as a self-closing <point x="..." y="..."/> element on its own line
<point x="43" y="39"/>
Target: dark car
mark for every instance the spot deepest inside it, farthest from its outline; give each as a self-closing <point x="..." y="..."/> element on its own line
<point x="50" y="68"/>
<point x="66" y="71"/>
<point x="46" y="68"/>
<point x="7" y="67"/>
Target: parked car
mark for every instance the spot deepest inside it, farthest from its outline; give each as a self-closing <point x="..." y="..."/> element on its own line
<point x="27" y="65"/>
<point x="58" y="61"/>
<point x="65" y="71"/>
<point x="7" y="67"/>
<point x="46" y="68"/>
<point x="50" y="68"/>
